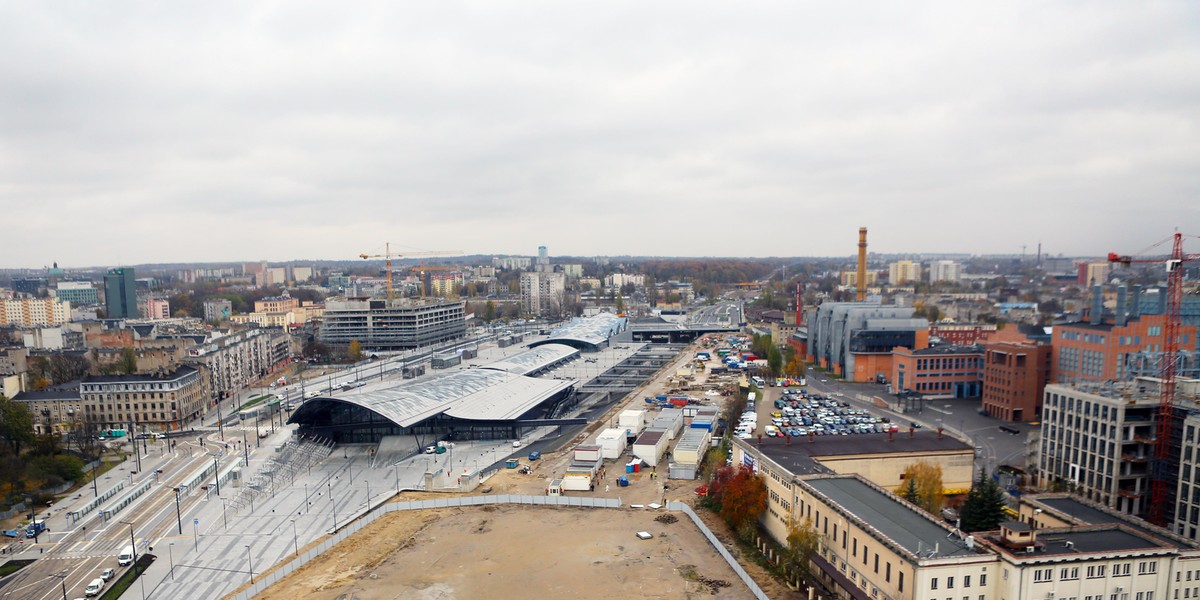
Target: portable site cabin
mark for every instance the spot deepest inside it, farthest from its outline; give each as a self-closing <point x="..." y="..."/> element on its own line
<point x="691" y="447"/>
<point x="650" y="446"/>
<point x="669" y="420"/>
<point x="612" y="443"/>
<point x="588" y="454"/>
<point x="579" y="479"/>
<point x="445" y="360"/>
<point x="555" y="488"/>
<point x="706" y="423"/>
<point x="632" y="419"/>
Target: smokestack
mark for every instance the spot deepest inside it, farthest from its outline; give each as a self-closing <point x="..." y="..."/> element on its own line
<point x="862" y="265"/>
<point x="1119" y="317"/>
<point x="1097" y="306"/>
<point x="1135" y="301"/>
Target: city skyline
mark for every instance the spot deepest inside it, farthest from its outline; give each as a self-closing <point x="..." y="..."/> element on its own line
<point x="233" y="133"/>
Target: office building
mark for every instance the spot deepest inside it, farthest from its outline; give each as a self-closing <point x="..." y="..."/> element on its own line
<point x="120" y="294"/>
<point x="399" y="324"/>
<point x="855" y="339"/>
<point x="960" y="334"/>
<point x="158" y="308"/>
<point x="157" y="401"/>
<point x="939" y="371"/>
<point x="78" y="293"/>
<point x="33" y="312"/>
<point x="1016" y="369"/>
<point x="1115" y="350"/>
<point x="543" y="293"/>
<point x="904" y="271"/>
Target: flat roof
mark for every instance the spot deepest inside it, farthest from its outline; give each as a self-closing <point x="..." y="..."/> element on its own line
<point x="800" y="457"/>
<point x="886" y="514"/>
<point x="1085" y="513"/>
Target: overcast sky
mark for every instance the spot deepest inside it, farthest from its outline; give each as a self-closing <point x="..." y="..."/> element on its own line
<point x="135" y="132"/>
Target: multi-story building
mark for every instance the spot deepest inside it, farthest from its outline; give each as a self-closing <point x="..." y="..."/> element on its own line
<point x="572" y="270"/>
<point x="1108" y="351"/>
<point x="217" y="309"/>
<point x="276" y="304"/>
<point x="301" y="274"/>
<point x="160" y="401"/>
<point x="850" y="278"/>
<point x="1186" y="520"/>
<point x="943" y="270"/>
<point x="622" y="279"/>
<point x="444" y="284"/>
<point x="33" y="312"/>
<point x="399" y="324"/>
<point x="961" y="334"/>
<point x="512" y="263"/>
<point x="1098" y="439"/>
<point x="1016" y="368"/>
<point x="158" y="308"/>
<point x="120" y="294"/>
<point x="904" y="271"/>
<point x="543" y="293"/>
<point x="232" y="362"/>
<point x="856" y="339"/>
<point x="1094" y="273"/>
<point x="54" y="410"/>
<point x="78" y="293"/>
<point x="939" y="371"/>
<point x="265" y="319"/>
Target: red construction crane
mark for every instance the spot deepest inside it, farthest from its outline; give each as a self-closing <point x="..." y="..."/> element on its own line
<point x="1166" y="406"/>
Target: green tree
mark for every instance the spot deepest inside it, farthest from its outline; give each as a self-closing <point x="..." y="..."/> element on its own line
<point x="908" y="491"/>
<point x="16" y="424"/>
<point x="984" y="508"/>
<point x="128" y="363"/>
<point x="775" y="361"/>
<point x="489" y="311"/>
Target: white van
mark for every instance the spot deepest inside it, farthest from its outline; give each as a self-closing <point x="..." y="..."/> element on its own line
<point x="93" y="588"/>
<point x="126" y="556"/>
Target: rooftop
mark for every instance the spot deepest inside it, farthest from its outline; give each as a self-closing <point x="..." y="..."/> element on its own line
<point x="1085" y="513"/>
<point x="897" y="521"/>
<point x="1080" y="540"/>
<point x="535" y="359"/>
<point x="179" y="372"/>
<point x="802" y="455"/>
<point x="587" y="331"/>
<point x="945" y="350"/>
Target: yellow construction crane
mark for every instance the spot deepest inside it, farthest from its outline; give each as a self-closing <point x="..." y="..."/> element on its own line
<point x="389" y="255"/>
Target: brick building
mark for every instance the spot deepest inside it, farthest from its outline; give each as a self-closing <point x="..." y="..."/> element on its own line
<point x="961" y="334"/>
<point x="1016" y="368"/>
<point x="161" y="401"/>
<point x="939" y="371"/>
<point x="1090" y="351"/>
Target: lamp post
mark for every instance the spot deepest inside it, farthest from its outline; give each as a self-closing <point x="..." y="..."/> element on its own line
<point x="224" y="519"/>
<point x="95" y="489"/>
<point x="178" y="513"/>
<point x="333" y="504"/>
<point x="245" y="448"/>
<point x="217" y="473"/>
<point x="171" y="556"/>
<point x="62" y="578"/>
<point x="295" y="538"/>
<point x="250" y="563"/>
<point x="220" y="426"/>
<point x="133" y="546"/>
<point x="368" y="493"/>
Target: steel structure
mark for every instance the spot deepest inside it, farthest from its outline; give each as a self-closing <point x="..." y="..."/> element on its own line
<point x="1169" y="368"/>
<point x="389" y="255"/>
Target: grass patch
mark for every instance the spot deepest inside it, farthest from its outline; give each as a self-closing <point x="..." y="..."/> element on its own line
<point x="13" y="566"/>
<point x="121" y="584"/>
<point x="252" y="402"/>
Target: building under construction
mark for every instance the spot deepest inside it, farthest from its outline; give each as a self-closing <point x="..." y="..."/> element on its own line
<point x="397" y="324"/>
<point x="1098" y="441"/>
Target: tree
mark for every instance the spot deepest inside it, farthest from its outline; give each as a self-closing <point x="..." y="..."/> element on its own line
<point x="795" y="366"/>
<point x="803" y="541"/>
<point x="16" y="424"/>
<point x="128" y="363"/>
<point x="489" y="311"/>
<point x="775" y="361"/>
<point x="908" y="491"/>
<point x="926" y="477"/>
<point x="739" y="495"/>
<point x="355" y="351"/>
<point x="984" y="508"/>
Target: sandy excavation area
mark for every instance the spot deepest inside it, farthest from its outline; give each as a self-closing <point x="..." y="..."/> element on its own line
<point x="503" y="551"/>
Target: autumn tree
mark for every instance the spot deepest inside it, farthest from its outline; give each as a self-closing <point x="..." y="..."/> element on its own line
<point x="739" y="495"/>
<point x="984" y="508"/>
<point x="803" y="541"/>
<point x="355" y="351"/>
<point x="926" y="477"/>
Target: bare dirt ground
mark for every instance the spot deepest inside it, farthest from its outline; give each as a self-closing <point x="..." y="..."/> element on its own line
<point x="517" y="552"/>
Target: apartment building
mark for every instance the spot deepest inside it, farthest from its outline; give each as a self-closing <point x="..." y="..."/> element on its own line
<point x="159" y="401"/>
<point x="542" y="293"/>
<point x="215" y="310"/>
<point x="944" y="270"/>
<point x="233" y="361"/>
<point x="34" y="312"/>
<point x="55" y="409"/>
<point x="904" y="271"/>
<point x="276" y="304"/>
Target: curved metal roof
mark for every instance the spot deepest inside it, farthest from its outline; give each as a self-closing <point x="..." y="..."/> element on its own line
<point x="586" y="332"/>
<point x="535" y="359"/>
<point x="482" y="394"/>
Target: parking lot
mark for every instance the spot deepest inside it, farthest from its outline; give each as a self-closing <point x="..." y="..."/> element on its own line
<point x="794" y="411"/>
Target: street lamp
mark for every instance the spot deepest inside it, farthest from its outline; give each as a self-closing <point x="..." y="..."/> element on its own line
<point x="368" y="493"/>
<point x="62" y="578"/>
<point x="178" y="514"/>
<point x="217" y="472"/>
<point x="224" y="519"/>
<point x="171" y="556"/>
<point x="295" y="538"/>
<point x="132" y="546"/>
<point x="250" y="563"/>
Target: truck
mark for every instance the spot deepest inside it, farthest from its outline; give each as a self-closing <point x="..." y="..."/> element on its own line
<point x="35" y="528"/>
<point x="125" y="558"/>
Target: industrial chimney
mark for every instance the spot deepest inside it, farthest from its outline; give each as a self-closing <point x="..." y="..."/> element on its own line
<point x="862" y="265"/>
<point x="1097" y="306"/>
